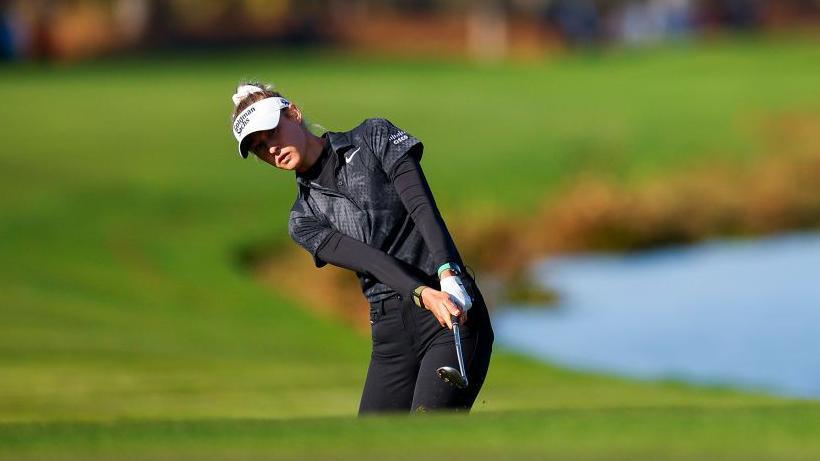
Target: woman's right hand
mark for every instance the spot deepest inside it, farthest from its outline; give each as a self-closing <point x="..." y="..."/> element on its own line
<point x="441" y="306"/>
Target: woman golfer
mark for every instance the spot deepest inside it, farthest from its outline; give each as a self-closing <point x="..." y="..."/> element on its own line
<point x="364" y="204"/>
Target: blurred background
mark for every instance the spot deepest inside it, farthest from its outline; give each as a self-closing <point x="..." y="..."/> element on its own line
<point x="68" y="30"/>
<point x="641" y="212"/>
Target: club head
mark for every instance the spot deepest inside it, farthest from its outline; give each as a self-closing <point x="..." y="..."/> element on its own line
<point x="452" y="376"/>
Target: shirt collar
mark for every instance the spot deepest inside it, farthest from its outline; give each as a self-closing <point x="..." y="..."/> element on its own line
<point x="338" y="142"/>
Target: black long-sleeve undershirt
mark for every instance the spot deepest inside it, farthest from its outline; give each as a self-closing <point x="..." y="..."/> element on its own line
<point x="344" y="251"/>
<point x="414" y="192"/>
<point x="411" y="185"/>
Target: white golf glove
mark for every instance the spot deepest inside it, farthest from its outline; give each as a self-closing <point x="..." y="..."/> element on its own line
<point x="454" y="287"/>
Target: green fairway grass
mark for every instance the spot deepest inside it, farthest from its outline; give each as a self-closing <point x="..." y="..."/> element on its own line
<point x="690" y="433"/>
<point x="124" y="205"/>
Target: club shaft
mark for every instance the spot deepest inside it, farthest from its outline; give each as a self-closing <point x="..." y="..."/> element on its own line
<point x="459" y="353"/>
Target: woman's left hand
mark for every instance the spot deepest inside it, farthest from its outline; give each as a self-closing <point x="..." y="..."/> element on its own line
<point x="452" y="285"/>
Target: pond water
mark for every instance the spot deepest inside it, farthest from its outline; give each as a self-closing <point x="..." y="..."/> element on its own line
<point x="739" y="313"/>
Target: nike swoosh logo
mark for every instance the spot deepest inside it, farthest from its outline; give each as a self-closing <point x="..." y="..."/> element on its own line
<point x="348" y="159"/>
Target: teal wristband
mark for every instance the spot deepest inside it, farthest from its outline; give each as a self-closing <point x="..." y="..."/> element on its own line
<point x="447" y="266"/>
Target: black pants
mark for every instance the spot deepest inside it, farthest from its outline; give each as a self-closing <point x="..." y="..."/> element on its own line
<point x="409" y="345"/>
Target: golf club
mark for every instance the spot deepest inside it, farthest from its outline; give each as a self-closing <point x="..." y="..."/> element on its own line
<point x="450" y="375"/>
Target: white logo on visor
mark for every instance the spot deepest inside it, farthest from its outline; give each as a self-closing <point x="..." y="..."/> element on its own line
<point x="243" y="120"/>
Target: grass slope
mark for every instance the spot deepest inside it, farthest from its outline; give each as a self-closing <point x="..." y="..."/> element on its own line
<point x="691" y="433"/>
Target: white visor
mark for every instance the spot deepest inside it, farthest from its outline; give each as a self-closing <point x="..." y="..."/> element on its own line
<point x="259" y="116"/>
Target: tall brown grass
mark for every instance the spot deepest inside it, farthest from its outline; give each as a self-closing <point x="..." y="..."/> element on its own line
<point x="778" y="192"/>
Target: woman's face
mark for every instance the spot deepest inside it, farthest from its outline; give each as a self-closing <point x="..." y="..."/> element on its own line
<point x="283" y="146"/>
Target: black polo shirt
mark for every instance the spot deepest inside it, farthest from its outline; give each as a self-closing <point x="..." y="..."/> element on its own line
<point x="349" y="190"/>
